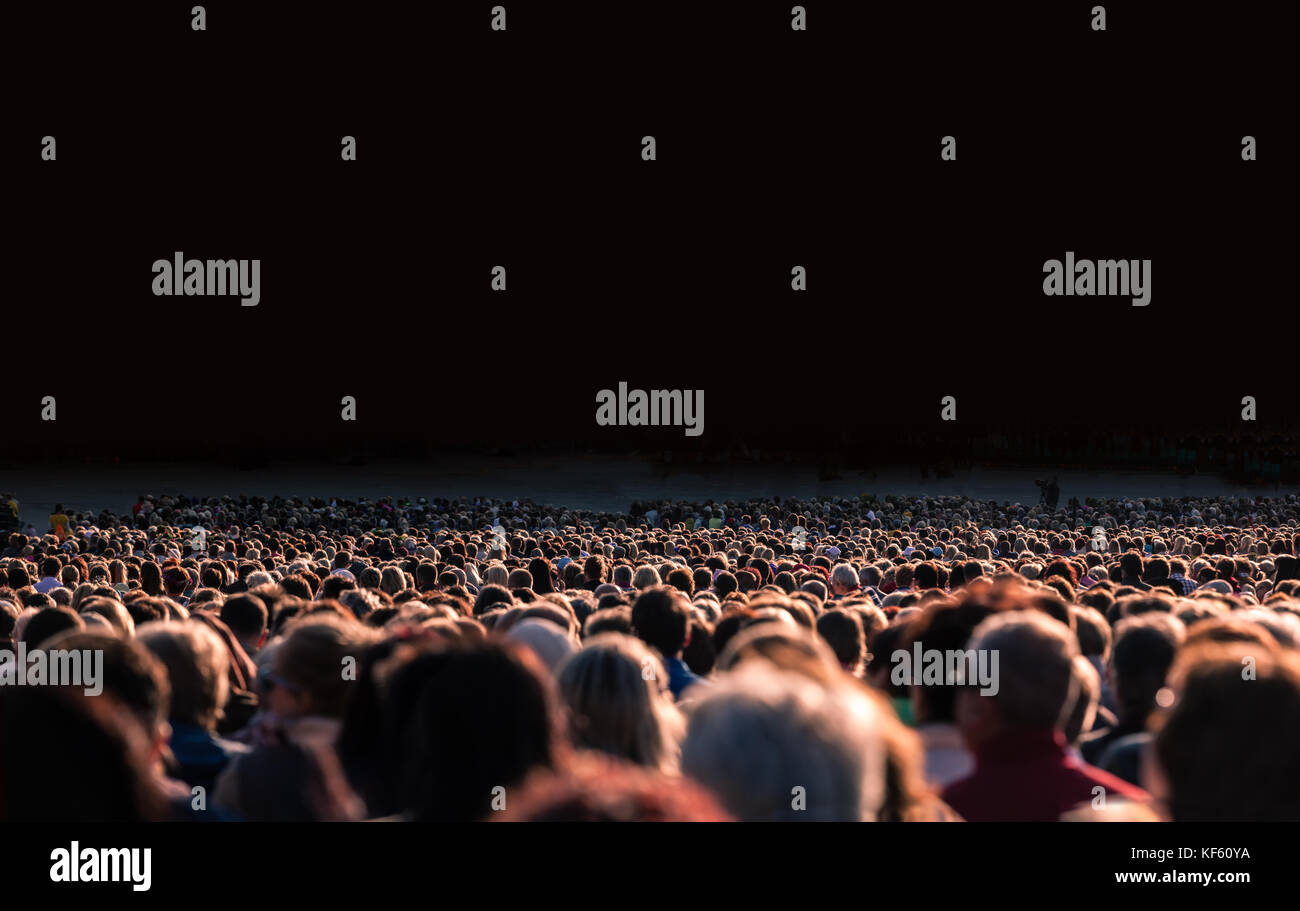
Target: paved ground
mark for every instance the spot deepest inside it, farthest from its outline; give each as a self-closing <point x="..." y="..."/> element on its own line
<point x="593" y="482"/>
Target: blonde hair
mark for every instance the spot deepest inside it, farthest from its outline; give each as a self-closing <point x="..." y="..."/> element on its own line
<point x="825" y="738"/>
<point x="645" y="577"/>
<point x="496" y="574"/>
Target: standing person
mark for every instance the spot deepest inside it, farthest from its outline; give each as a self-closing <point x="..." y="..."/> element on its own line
<point x="8" y="512"/>
<point x="59" y="522"/>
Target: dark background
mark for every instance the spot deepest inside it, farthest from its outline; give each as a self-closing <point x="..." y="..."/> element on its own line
<point x="522" y="148"/>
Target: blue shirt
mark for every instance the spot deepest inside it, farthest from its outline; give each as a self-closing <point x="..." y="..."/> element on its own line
<point x="201" y="755"/>
<point x="679" y="676"/>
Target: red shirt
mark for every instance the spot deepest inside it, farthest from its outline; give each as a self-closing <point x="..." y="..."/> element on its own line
<point x="1028" y="776"/>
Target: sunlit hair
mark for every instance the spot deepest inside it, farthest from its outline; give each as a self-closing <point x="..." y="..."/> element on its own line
<point x="645" y="577"/>
<point x="823" y="756"/>
<point x="197" y="667"/>
<point x="616" y="690"/>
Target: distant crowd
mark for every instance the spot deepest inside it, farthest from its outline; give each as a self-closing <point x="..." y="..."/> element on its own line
<point x="869" y="659"/>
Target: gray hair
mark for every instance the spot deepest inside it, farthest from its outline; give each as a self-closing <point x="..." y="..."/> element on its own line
<point x="845" y="575"/>
<point x="822" y="756"/>
<point x="1035" y="666"/>
<point x="645" y="577"/>
<point x="361" y="601"/>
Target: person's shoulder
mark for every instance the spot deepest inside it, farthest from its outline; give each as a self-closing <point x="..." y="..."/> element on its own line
<point x="1112" y="784"/>
<point x="1095" y="743"/>
<point x="1122" y="749"/>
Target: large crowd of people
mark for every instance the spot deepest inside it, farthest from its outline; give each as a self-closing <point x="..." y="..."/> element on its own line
<point x="868" y="659"/>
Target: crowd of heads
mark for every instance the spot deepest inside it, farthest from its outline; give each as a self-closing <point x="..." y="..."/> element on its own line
<point x="427" y="659"/>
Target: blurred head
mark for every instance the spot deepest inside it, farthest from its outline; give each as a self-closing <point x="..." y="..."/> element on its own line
<point x="197" y="669"/>
<point x="50" y="622"/>
<point x="308" y="671"/>
<point x="608" y="790"/>
<point x="482" y="716"/>
<point x="1144" y="649"/>
<point x="822" y="756"/>
<point x="842" y="631"/>
<point x="616" y="691"/>
<point x="1227" y="749"/>
<point x="92" y="766"/>
<point x="661" y="618"/>
<point x="246" y="615"/>
<point x="1034" y="672"/>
